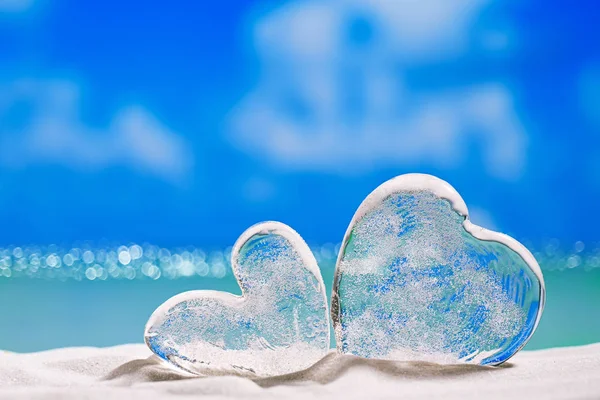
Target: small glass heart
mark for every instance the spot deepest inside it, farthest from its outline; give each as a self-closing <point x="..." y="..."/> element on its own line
<point x="279" y="325"/>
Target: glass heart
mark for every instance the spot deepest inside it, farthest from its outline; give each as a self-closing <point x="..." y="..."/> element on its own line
<point x="279" y="325"/>
<point x="416" y="280"/>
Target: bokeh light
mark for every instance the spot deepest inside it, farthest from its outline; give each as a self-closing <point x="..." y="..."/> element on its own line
<point x="151" y="262"/>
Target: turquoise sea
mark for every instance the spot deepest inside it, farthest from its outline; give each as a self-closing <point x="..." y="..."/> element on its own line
<point x="60" y="302"/>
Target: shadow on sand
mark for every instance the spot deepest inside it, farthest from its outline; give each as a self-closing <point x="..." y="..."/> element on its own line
<point x="328" y="369"/>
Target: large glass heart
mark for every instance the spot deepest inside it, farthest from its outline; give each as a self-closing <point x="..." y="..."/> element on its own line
<point x="279" y="325"/>
<point x="415" y="279"/>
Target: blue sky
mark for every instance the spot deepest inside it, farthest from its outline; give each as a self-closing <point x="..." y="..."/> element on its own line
<point x="184" y="124"/>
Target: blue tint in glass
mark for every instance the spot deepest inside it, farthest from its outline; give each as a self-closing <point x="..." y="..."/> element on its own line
<point x="279" y="325"/>
<point x="417" y="280"/>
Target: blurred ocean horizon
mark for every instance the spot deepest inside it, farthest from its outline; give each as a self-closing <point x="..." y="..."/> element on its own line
<point x="103" y="296"/>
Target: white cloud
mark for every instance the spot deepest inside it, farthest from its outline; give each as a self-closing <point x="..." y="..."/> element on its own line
<point x="416" y="29"/>
<point x="336" y="95"/>
<point x="41" y="124"/>
<point x="14" y="6"/>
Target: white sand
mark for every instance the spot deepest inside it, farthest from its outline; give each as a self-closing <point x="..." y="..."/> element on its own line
<point x="130" y="372"/>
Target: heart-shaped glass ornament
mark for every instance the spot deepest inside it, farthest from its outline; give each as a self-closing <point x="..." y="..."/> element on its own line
<point x="416" y="280"/>
<point x="280" y="323"/>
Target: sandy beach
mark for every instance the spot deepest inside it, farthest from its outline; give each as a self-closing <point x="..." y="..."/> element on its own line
<point x="132" y="372"/>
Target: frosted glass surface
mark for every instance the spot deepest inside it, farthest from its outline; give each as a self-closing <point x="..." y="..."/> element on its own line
<point x="279" y="325"/>
<point x="413" y="283"/>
